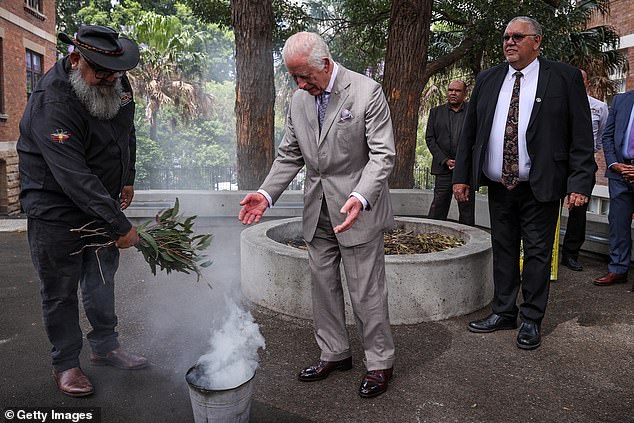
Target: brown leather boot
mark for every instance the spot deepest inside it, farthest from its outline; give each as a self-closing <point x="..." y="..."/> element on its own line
<point x="73" y="382"/>
<point x="120" y="359"/>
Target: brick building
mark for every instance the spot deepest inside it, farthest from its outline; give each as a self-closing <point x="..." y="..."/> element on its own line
<point x="621" y="17"/>
<point x="27" y="51"/>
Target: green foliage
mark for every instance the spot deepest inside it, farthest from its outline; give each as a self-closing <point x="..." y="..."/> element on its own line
<point x="168" y="242"/>
<point x="356" y="31"/>
<point x="290" y="16"/>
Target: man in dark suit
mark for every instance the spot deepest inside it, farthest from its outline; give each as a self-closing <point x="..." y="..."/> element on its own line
<point x="576" y="224"/>
<point x="528" y="136"/>
<point x="618" y="147"/>
<point x="443" y="133"/>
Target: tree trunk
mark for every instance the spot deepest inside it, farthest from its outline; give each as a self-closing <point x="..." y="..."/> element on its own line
<point x="255" y="91"/>
<point x="405" y="61"/>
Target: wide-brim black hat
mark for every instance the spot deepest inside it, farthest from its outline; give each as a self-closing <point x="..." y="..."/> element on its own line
<point x="104" y="47"/>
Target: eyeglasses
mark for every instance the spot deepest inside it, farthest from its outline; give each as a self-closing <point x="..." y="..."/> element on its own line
<point x="517" y="38"/>
<point x="102" y="73"/>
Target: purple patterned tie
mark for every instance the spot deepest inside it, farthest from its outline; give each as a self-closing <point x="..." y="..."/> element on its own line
<point x="322" y="105"/>
<point x="630" y="143"/>
<point x="510" y="158"/>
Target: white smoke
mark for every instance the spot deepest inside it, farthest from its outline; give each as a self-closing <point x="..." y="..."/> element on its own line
<point x="233" y="357"/>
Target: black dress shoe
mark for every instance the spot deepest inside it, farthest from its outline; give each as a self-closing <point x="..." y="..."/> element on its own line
<point x="375" y="383"/>
<point x="571" y="263"/>
<point x="322" y="369"/>
<point x="529" y="337"/>
<point x="492" y="323"/>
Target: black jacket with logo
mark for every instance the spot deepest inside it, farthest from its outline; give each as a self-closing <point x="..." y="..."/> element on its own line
<point x="73" y="165"/>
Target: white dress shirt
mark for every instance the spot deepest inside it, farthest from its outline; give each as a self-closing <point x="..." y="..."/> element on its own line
<point x="495" y="152"/>
<point x="599" y="112"/>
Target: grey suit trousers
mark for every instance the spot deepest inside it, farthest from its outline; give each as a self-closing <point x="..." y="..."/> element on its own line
<point x="364" y="267"/>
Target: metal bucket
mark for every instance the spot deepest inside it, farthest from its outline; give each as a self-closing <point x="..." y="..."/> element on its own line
<point x="219" y="405"/>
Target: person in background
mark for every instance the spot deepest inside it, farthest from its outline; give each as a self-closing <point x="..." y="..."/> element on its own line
<point x="339" y="127"/>
<point x="444" y="127"/>
<point x="77" y="151"/>
<point x="576" y="225"/>
<point x="618" y="147"/>
<point x="527" y="136"/>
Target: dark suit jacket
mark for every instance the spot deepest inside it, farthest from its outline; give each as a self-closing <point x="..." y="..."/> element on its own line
<point x="614" y="134"/>
<point x="559" y="135"/>
<point x="438" y="137"/>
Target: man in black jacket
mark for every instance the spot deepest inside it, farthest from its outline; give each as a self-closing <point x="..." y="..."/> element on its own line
<point x="527" y="135"/>
<point x="77" y="150"/>
<point x="443" y="133"/>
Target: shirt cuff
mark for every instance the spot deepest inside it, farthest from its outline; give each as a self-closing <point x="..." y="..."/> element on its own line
<point x="360" y="198"/>
<point x="612" y="164"/>
<point x="267" y="196"/>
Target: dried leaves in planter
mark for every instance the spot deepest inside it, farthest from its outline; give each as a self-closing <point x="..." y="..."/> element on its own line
<point x="168" y="242"/>
<point x="399" y="241"/>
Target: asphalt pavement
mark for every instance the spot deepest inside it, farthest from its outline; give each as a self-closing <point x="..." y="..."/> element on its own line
<point x="583" y="372"/>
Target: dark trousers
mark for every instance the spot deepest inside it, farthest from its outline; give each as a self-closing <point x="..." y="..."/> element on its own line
<point x="575" y="230"/>
<point x="443" y="194"/>
<point x="620" y="223"/>
<point x="60" y="275"/>
<point x="517" y="216"/>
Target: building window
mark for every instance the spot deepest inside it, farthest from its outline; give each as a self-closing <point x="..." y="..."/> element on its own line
<point x="34" y="70"/>
<point x="34" y="4"/>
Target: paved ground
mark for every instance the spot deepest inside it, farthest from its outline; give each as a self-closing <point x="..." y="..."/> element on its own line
<point x="584" y="371"/>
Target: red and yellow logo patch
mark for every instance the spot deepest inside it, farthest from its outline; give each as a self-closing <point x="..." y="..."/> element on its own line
<point x="59" y="136"/>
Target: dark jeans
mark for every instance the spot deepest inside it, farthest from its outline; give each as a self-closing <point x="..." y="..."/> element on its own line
<point x="60" y="275"/>
<point x="443" y="193"/>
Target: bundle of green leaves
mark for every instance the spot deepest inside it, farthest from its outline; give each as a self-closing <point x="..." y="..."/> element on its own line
<point x="168" y="242"/>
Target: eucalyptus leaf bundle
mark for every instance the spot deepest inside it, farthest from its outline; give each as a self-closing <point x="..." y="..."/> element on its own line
<point x="168" y="242"/>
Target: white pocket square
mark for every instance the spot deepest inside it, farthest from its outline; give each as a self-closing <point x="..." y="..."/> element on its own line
<point x="345" y="115"/>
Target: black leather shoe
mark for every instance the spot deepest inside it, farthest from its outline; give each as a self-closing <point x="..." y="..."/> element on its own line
<point x="492" y="323"/>
<point x="571" y="263"/>
<point x="375" y="383"/>
<point x="529" y="337"/>
<point x="322" y="369"/>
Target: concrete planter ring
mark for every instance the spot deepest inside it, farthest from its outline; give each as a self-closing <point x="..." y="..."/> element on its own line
<point x="422" y="287"/>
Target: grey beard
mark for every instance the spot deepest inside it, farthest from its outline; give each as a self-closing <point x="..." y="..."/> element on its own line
<point x="101" y="102"/>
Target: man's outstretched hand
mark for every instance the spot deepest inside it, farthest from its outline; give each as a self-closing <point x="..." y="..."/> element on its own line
<point x="352" y="208"/>
<point x="253" y="207"/>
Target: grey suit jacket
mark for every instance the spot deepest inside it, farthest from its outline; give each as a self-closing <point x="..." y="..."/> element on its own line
<point x="354" y="152"/>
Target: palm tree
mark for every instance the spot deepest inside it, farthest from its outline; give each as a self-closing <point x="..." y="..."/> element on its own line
<point x="170" y="69"/>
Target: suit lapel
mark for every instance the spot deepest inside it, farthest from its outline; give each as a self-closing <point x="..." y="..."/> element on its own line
<point x="310" y="108"/>
<point x="496" y="82"/>
<point x="338" y="96"/>
<point x="542" y="86"/>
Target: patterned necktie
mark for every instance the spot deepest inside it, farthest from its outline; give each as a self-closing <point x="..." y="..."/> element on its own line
<point x="322" y="104"/>
<point x="510" y="159"/>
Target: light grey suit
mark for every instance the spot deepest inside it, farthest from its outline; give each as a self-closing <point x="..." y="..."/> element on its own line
<point x="353" y="153"/>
